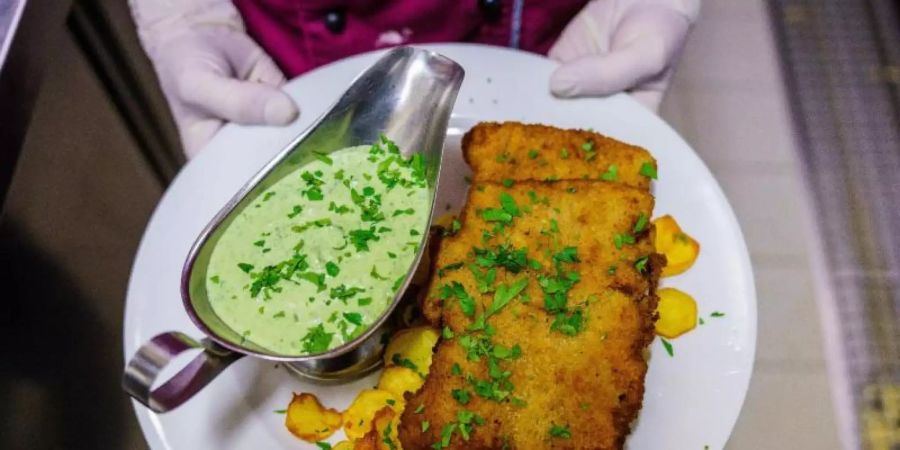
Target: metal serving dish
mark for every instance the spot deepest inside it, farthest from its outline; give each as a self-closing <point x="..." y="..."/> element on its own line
<point x="407" y="95"/>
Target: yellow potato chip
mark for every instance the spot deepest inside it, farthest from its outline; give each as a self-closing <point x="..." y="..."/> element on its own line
<point x="412" y="348"/>
<point x="308" y="420"/>
<point x="677" y="313"/>
<point x="680" y="249"/>
<point x="357" y="419"/>
<point x="400" y="380"/>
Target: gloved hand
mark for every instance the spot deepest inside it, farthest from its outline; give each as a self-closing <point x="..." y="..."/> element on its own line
<point x="210" y="70"/>
<point x="622" y="45"/>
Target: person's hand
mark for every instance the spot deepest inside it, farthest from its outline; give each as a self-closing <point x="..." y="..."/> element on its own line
<point x="210" y="70"/>
<point x="622" y="45"/>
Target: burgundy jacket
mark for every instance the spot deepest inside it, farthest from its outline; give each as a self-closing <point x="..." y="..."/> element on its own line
<point x="304" y="34"/>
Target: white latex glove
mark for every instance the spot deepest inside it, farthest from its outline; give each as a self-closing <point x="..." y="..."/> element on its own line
<point x="210" y="70"/>
<point x="622" y="45"/>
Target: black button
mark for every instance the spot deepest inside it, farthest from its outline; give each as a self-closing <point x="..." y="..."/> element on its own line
<point x="335" y="21"/>
<point x="492" y="9"/>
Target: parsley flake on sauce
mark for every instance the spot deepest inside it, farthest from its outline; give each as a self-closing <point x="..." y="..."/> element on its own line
<point x="316" y="340"/>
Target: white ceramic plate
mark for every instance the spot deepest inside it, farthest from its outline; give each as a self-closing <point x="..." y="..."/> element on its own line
<point x="692" y="399"/>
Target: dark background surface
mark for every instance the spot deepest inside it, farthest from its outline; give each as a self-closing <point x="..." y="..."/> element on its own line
<point x="88" y="177"/>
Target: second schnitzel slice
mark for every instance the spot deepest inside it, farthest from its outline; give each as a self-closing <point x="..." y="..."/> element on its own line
<point x="518" y="151"/>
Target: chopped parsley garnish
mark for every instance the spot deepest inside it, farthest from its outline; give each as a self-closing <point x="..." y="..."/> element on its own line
<point x="332" y="269"/>
<point x="568" y="323"/>
<point x="342" y="209"/>
<point x="560" y="431"/>
<point x="364" y="301"/>
<point x="318" y="223"/>
<point x="215" y="279"/>
<point x="461" y="396"/>
<point x="317" y="279"/>
<point x="641" y="264"/>
<point x="446" y="435"/>
<point x="408" y="211"/>
<point x="323" y="157"/>
<point x="620" y="240"/>
<point x="449" y="267"/>
<point x="361" y="238"/>
<point x="532" y="154"/>
<point x="508" y="182"/>
<point x="506" y="256"/>
<point x="386" y="437"/>
<point x="420" y="408"/>
<point x="404" y="362"/>
<point x="455" y="226"/>
<point x="717" y="314"/>
<point x="641" y="223"/>
<point x="353" y="317"/>
<point x="611" y="174"/>
<point x="342" y="292"/>
<point x="496" y="215"/>
<point x="447" y="333"/>
<point x="323" y="445"/>
<point x="589" y="152"/>
<point x="455" y="370"/>
<point x="295" y="211"/>
<point x="564" y="153"/>
<point x="505" y="213"/>
<point x="425" y="425"/>
<point x="668" y="346"/>
<point x="648" y="170"/>
<point x="484" y="280"/>
<point x="246" y="268"/>
<point x="455" y="289"/>
<point x="374" y="274"/>
<point x="316" y="340"/>
<point x="504" y="294"/>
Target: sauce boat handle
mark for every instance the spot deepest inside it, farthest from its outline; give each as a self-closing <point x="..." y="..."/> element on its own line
<point x="142" y="370"/>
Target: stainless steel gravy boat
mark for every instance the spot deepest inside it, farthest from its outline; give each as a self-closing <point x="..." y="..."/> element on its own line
<point x="406" y="95"/>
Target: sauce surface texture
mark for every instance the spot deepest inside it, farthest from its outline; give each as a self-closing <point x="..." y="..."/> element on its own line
<point x="317" y="258"/>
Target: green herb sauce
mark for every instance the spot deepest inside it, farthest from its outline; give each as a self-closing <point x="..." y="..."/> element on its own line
<point x="319" y="256"/>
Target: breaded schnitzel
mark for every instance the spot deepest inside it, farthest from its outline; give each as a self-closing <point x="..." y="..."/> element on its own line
<point x="547" y="298"/>
<point x="518" y="151"/>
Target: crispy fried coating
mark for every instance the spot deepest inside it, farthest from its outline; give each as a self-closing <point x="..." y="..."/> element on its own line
<point x="577" y="390"/>
<point x="517" y="151"/>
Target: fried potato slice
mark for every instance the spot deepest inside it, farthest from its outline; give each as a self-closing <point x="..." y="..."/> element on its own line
<point x="412" y="348"/>
<point x="308" y="420"/>
<point x="357" y="419"/>
<point x="386" y="423"/>
<point x="400" y="380"/>
<point x="681" y="250"/>
<point x="677" y="313"/>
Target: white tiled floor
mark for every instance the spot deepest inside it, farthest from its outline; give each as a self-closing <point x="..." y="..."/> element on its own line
<point x="728" y="101"/>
